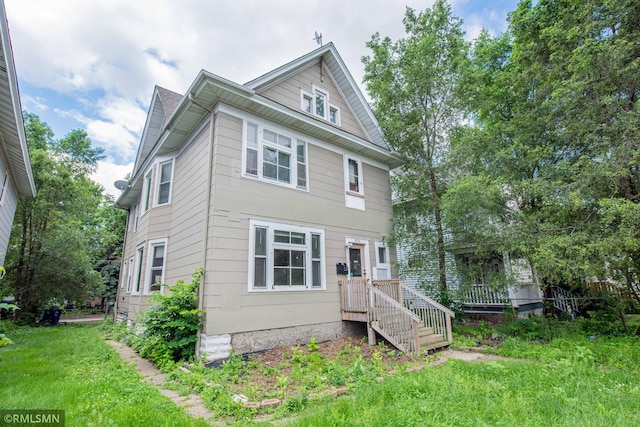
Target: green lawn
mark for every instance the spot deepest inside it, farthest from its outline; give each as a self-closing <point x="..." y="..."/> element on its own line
<point x="72" y="368"/>
<point x="565" y="381"/>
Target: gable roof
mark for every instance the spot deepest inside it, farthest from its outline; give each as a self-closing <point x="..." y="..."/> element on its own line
<point x="12" y="136"/>
<point x="330" y="57"/>
<point x="164" y="103"/>
<point x="208" y="90"/>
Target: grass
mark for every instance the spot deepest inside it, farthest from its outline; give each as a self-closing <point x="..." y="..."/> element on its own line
<point x="568" y="382"/>
<point x="563" y="374"/>
<point x="72" y="368"/>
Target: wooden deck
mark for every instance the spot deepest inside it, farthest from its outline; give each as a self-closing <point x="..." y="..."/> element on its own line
<point x="407" y="319"/>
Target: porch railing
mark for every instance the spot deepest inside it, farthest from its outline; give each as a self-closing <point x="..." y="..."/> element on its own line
<point x="353" y="295"/>
<point x="564" y="300"/>
<point x="484" y="295"/>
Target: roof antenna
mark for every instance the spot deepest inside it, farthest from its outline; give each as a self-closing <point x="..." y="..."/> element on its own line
<point x="318" y="38"/>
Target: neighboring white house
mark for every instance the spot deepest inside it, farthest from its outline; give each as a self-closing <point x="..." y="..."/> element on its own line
<point x="16" y="178"/>
<point x="277" y="188"/>
<point x="477" y="295"/>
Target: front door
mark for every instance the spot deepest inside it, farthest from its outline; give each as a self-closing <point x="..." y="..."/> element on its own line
<point x="356" y="265"/>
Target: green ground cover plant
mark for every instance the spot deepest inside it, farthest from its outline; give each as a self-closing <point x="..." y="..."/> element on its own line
<point x="72" y="368"/>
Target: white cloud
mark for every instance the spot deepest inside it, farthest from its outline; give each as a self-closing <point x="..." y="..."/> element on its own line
<point x="109" y="172"/>
<point x="36" y="103"/>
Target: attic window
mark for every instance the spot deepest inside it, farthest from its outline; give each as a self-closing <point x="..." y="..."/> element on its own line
<point x="318" y="103"/>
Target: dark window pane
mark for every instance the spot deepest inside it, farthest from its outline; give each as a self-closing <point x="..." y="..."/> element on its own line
<point x="302" y="175"/>
<point x="315" y="246"/>
<point x="317" y="277"/>
<point x="252" y="162"/>
<point x="261" y="241"/>
<point x="270" y="171"/>
<point x="270" y="136"/>
<point x="260" y="273"/>
<point x="281" y="258"/>
<point x="281" y="277"/>
<point x="297" y="258"/>
<point x="163" y="193"/>
<point x="297" y="238"/>
<point x="297" y="277"/>
<point x="283" y="174"/>
<point x="281" y="236"/>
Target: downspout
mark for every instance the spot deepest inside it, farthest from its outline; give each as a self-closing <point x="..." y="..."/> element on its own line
<point x="205" y="233"/>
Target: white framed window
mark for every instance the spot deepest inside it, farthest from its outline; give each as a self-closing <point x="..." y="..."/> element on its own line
<point x="272" y="155"/>
<point x="130" y="272"/>
<point x="353" y="183"/>
<point x="165" y="174"/>
<point x="285" y="257"/>
<point x="3" y="187"/>
<point x="383" y="265"/>
<point x="155" y="265"/>
<point x="123" y="273"/>
<point x="318" y="104"/>
<point x="146" y="193"/>
<point x="138" y="273"/>
<point x="334" y="115"/>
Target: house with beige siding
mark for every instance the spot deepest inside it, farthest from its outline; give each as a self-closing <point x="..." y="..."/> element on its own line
<point x="16" y="178"/>
<point x="278" y="188"/>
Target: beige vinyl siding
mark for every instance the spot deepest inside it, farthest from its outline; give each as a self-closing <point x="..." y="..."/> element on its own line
<point x="288" y="93"/>
<point x="181" y="222"/>
<point x="231" y="307"/>
<point x="7" y="208"/>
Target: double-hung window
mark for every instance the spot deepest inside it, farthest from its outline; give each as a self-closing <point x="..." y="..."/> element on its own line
<point x="383" y="264"/>
<point x="273" y="156"/>
<point x="164" y="182"/>
<point x="285" y="257"/>
<point x="139" y="264"/>
<point x="130" y="272"/>
<point x="147" y="191"/>
<point x="317" y="103"/>
<point x="353" y="183"/>
<point x="157" y="256"/>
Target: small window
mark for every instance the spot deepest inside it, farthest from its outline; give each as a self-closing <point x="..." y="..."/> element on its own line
<point x="164" y="184"/>
<point x="156" y="269"/>
<point x="251" y="167"/>
<point x="383" y="266"/>
<point x="3" y="187"/>
<point x="334" y="115"/>
<point x="139" y="263"/>
<point x="302" y="164"/>
<point x="306" y="103"/>
<point x="147" y="191"/>
<point x="354" y="176"/>
<point x="321" y="102"/>
<point x="130" y="272"/>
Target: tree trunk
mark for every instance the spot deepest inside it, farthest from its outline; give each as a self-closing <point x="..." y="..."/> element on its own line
<point x="442" y="273"/>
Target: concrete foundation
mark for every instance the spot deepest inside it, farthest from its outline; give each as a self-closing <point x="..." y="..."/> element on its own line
<point x="248" y="342"/>
<point x="215" y="347"/>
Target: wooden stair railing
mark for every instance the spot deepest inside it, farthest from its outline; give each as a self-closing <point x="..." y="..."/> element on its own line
<point x="433" y="314"/>
<point x="564" y="300"/>
<point x="395" y="323"/>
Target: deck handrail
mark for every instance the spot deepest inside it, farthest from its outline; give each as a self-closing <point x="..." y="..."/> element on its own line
<point x="353" y="295"/>
<point x="480" y="294"/>
<point x="393" y="321"/>
<point x="431" y="313"/>
<point x="563" y="299"/>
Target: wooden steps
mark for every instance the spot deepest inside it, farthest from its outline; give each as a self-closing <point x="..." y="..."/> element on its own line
<point x="429" y="340"/>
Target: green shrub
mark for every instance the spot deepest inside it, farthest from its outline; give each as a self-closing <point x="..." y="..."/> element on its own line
<point x="170" y="326"/>
<point x="4" y="340"/>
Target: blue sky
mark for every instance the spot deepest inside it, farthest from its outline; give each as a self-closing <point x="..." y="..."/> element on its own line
<point x="92" y="65"/>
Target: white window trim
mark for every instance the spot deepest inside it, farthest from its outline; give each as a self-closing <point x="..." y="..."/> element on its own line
<point x="157" y="186"/>
<point x="382" y="265"/>
<point x="124" y="270"/>
<point x="129" y="277"/>
<point x="146" y="201"/>
<point x="348" y="243"/>
<point x="293" y="152"/>
<point x="138" y="279"/>
<point x="271" y="227"/>
<point x="353" y="199"/>
<point x="150" y="247"/>
<point x="328" y="105"/>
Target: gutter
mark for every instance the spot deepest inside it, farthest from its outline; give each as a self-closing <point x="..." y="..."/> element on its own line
<point x="205" y="233"/>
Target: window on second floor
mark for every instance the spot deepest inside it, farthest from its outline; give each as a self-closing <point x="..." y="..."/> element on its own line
<point x="353" y="183"/>
<point x="164" y="182"/>
<point x="3" y="187"/>
<point x="146" y="195"/>
<point x="273" y="156"/>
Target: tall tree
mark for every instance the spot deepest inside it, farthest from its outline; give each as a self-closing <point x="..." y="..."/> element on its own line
<point x="416" y="87"/>
<point x="555" y="135"/>
<point x="49" y="253"/>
